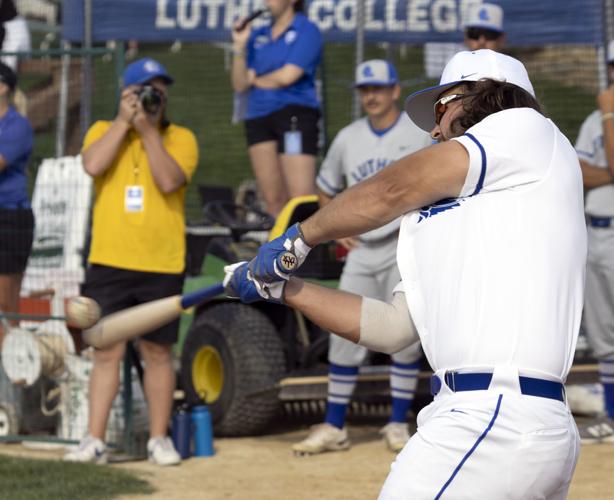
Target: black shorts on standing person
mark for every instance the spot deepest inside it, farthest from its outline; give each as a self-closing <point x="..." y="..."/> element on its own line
<point x="115" y="289"/>
<point x="274" y="127"/>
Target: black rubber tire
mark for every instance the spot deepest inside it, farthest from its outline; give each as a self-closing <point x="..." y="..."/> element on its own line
<point x="253" y="361"/>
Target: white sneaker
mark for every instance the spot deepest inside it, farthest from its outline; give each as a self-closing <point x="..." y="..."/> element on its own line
<point x="161" y="451"/>
<point x="323" y="437"/>
<point x="90" y="449"/>
<point x="396" y="435"/>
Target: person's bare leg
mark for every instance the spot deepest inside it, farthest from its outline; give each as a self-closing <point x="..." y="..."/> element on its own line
<point x="269" y="176"/>
<point x="104" y="382"/>
<point x="159" y="385"/>
<point x="10" y="287"/>
<point x="299" y="173"/>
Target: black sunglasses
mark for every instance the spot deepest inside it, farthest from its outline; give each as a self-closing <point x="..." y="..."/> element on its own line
<point x="476" y="33"/>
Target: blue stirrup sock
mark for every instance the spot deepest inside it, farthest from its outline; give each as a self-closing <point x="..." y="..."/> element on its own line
<point x="341" y="385"/>
<point x="403" y="383"/>
<point x="606" y="375"/>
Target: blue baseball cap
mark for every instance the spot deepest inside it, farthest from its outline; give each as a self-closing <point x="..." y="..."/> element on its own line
<point x="144" y="70"/>
<point x="377" y="73"/>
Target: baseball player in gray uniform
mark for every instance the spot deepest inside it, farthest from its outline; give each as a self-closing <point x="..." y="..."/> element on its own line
<point x="492" y="284"/>
<point x="595" y="148"/>
<point x="358" y="152"/>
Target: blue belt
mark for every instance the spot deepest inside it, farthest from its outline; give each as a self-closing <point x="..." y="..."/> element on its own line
<point x="599" y="221"/>
<point x="529" y="386"/>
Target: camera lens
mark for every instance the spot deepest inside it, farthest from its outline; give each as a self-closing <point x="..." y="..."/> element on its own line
<point x="151" y="99"/>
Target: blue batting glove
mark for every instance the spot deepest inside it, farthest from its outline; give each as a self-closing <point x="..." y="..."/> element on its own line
<point x="279" y="259"/>
<point x="238" y="285"/>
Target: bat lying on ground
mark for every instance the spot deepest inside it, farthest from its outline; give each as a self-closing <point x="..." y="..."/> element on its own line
<point x="138" y="320"/>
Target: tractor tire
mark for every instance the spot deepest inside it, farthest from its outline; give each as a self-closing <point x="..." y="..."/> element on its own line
<point x="233" y="356"/>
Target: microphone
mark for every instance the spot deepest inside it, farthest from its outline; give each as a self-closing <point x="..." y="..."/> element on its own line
<point x="250" y="18"/>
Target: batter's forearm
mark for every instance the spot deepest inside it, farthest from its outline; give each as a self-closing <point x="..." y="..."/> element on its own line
<point x="432" y="174"/>
<point x="333" y="310"/>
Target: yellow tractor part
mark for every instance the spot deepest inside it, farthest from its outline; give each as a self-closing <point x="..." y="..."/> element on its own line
<point x="208" y="374"/>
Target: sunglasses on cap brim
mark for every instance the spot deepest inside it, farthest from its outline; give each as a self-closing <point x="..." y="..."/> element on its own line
<point x="477" y="33"/>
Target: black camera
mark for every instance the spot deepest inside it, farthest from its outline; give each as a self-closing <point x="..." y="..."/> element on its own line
<point x="151" y="99"/>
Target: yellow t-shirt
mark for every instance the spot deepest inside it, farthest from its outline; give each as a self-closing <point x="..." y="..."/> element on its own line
<point x="151" y="237"/>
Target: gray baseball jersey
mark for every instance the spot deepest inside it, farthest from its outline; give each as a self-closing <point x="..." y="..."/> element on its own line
<point x="357" y="153"/>
<point x="598" y="314"/>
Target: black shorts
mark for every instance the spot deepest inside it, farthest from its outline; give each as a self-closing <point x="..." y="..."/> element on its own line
<point x="273" y="127"/>
<point x="16" y="234"/>
<point x="116" y="289"/>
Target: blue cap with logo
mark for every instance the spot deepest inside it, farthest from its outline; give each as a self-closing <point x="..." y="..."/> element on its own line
<point x="144" y="70"/>
<point x="376" y="72"/>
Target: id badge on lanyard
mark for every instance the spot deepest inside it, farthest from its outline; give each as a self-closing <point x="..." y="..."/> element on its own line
<point x="134" y="199"/>
<point x="293" y="139"/>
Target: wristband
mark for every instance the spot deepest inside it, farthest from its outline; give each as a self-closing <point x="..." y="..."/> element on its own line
<point x="238" y="52"/>
<point x="607" y="116"/>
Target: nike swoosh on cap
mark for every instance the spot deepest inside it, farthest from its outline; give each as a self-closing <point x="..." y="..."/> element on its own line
<point x="467" y="76"/>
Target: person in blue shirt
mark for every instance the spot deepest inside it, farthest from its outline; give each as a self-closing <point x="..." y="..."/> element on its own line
<point x="276" y="65"/>
<point x="16" y="217"/>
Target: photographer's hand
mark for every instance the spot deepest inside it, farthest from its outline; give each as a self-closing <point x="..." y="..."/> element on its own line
<point x="128" y="105"/>
<point x="145" y="123"/>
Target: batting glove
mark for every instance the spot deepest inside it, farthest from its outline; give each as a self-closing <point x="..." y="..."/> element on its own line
<point x="239" y="284"/>
<point x="279" y="259"/>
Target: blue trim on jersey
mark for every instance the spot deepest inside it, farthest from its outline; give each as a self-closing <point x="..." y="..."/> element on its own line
<point x="480" y="183"/>
<point x="382" y="132"/>
<point x="327" y="187"/>
<point x="585" y="153"/>
<point x="479" y="440"/>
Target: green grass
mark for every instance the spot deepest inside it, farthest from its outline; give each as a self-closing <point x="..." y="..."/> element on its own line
<point x="28" y="479"/>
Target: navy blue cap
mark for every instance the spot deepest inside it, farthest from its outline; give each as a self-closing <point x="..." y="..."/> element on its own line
<point x="145" y="70"/>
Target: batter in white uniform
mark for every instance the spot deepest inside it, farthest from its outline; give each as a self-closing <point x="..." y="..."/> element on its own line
<point x="596" y="152"/>
<point x="492" y="253"/>
<point x="358" y="152"/>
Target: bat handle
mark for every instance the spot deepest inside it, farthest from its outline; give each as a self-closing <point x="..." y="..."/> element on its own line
<point x="193" y="298"/>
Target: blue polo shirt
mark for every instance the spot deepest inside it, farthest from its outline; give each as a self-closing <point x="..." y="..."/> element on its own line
<point x="16" y="141"/>
<point x="301" y="45"/>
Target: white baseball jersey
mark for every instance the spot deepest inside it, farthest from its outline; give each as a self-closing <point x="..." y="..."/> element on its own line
<point x="495" y="277"/>
<point x="359" y="152"/>
<point x="590" y="148"/>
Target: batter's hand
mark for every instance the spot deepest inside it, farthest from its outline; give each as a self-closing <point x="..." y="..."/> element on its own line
<point x="239" y="284"/>
<point x="279" y="259"/>
<point x="605" y="100"/>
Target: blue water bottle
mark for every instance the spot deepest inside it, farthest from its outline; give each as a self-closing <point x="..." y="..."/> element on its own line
<point x="202" y="431"/>
<point x="181" y="431"/>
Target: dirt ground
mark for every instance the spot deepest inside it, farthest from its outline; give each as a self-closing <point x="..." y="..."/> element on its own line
<point x="264" y="468"/>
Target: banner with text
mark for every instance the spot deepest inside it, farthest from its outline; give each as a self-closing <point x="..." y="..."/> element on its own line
<point x="527" y="22"/>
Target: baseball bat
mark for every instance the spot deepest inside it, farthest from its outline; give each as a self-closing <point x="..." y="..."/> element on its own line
<point x="250" y="18"/>
<point x="138" y="320"/>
